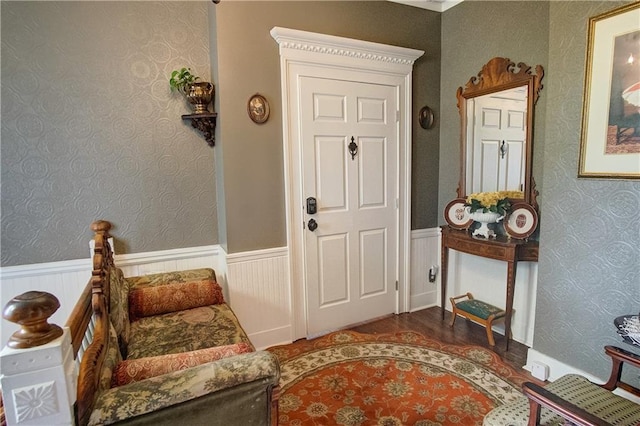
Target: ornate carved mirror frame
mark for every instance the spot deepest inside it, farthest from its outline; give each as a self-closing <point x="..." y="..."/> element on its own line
<point x="497" y="75"/>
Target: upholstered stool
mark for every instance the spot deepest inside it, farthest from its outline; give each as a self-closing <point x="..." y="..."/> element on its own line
<point x="478" y="311"/>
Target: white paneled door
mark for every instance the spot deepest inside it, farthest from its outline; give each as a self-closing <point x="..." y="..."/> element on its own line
<point x="349" y="134"/>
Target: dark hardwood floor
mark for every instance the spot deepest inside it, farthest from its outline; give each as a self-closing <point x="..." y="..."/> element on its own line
<point x="429" y="323"/>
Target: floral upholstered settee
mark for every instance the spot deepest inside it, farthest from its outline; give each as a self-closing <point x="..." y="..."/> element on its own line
<point x="167" y="349"/>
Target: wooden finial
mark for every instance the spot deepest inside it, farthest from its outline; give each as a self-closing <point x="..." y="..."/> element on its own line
<point x="32" y="310"/>
<point x="101" y="226"/>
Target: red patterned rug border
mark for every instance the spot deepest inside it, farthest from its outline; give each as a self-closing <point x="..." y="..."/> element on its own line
<point x="408" y="337"/>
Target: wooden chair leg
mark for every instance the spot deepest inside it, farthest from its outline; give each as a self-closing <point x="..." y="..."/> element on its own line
<point x="490" y="332"/>
<point x="534" y="413"/>
<point x="453" y="317"/>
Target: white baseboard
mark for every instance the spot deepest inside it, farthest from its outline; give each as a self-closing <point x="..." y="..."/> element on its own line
<point x="267" y="338"/>
<point x="556" y="368"/>
<point x="422" y="301"/>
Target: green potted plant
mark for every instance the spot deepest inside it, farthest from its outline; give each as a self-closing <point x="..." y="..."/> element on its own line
<point x="199" y="94"/>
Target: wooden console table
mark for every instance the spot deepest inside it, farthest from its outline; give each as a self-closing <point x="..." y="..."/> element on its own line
<point x="501" y="248"/>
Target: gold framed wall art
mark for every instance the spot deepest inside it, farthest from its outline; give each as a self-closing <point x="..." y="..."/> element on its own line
<point x="610" y="138"/>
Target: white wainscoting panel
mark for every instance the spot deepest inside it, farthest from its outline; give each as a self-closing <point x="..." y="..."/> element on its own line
<point x="260" y="294"/>
<point x="425" y="245"/>
<point x="175" y="260"/>
<point x="168" y="260"/>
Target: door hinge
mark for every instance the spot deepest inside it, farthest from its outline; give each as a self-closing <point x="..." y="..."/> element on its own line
<point x="398" y="115"/>
<point x="396" y="285"/>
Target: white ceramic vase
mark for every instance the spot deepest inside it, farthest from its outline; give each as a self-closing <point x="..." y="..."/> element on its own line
<point x="484" y="219"/>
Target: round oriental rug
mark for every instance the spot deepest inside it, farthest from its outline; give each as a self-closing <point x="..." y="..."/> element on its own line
<point x="349" y="378"/>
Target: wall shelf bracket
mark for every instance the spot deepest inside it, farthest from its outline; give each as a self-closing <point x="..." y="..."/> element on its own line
<point x="206" y="123"/>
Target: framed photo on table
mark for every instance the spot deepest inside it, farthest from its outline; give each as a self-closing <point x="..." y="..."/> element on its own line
<point x="610" y="139"/>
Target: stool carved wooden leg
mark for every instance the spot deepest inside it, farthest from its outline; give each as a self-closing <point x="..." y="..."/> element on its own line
<point x="477" y="311"/>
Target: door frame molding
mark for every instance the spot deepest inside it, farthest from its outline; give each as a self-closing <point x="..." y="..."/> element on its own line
<point x="302" y="50"/>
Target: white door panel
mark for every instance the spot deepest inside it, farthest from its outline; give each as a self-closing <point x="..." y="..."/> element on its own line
<point x="334" y="269"/>
<point x="371" y="110"/>
<point x="372" y="181"/>
<point x="329" y="108"/>
<point x="331" y="172"/>
<point x="373" y="259"/>
<point x="516" y="120"/>
<point x="350" y="259"/>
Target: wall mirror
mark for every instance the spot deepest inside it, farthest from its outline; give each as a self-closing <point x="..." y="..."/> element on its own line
<point x="496" y="113"/>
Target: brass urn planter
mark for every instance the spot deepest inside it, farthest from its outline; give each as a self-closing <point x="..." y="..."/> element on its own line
<point x="199" y="95"/>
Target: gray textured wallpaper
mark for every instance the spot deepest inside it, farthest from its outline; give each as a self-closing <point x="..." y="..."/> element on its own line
<point x="590" y="240"/>
<point x="90" y="129"/>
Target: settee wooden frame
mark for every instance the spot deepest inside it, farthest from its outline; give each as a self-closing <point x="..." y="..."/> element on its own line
<point x="89" y="328"/>
<point x="91" y="312"/>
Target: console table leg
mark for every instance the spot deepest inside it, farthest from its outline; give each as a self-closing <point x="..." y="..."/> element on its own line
<point x="444" y="261"/>
<point x="511" y="285"/>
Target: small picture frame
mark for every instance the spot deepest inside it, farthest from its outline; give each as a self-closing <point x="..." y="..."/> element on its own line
<point x="258" y="109"/>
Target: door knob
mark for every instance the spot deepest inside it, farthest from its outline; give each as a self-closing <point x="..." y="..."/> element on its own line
<point x="312" y="225"/>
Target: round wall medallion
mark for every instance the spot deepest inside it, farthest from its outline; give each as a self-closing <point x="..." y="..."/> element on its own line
<point x="426" y="118"/>
<point x="258" y="108"/>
